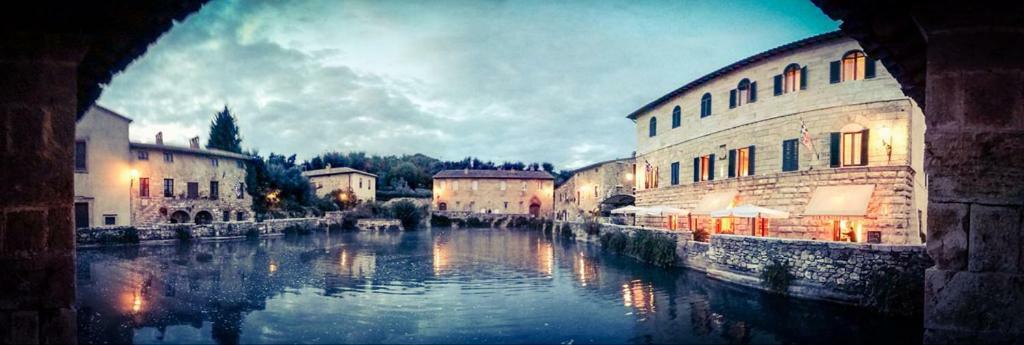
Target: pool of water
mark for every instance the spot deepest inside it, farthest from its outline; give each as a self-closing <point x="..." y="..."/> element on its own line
<point x="435" y="286"/>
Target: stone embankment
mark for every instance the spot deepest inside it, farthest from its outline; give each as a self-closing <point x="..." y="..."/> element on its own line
<point x="841" y="272"/>
<point x="188" y="231"/>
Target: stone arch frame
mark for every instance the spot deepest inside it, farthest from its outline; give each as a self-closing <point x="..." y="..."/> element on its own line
<point x="203" y="217"/>
<point x="179" y="217"/>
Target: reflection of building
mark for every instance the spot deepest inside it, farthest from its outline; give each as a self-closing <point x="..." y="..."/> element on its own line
<point x="814" y="128"/>
<point x="361" y="183"/>
<point x="582" y="194"/>
<point x="118" y="182"/>
<point x="494" y="191"/>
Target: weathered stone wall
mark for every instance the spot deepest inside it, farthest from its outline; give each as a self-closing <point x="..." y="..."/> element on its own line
<point x="583" y="193"/>
<point x="891" y="209"/>
<point x="189" y="167"/>
<point x="488" y="220"/>
<point x="822" y="270"/>
<point x="363" y="185"/>
<point x="378" y="224"/>
<point x="166" y="231"/>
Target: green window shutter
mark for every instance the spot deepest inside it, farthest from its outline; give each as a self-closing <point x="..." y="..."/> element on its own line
<point x="753" y="92"/>
<point x="778" y="84"/>
<point x="751" y="161"/>
<point x="803" y="78"/>
<point x="833" y="149"/>
<point x="834" y="69"/>
<point x="869" y="68"/>
<point x="864" y="148"/>
<point x="732" y="98"/>
<point x="732" y="163"/>
<point x="696" y="169"/>
<point x="675" y="173"/>
<point x="711" y="167"/>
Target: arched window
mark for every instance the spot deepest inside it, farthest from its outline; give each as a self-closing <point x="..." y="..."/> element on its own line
<point x="853" y="65"/>
<point x="791" y="78"/>
<point x="677" y="117"/>
<point x="705" y="105"/>
<point x="743" y="92"/>
<point x="652" y="128"/>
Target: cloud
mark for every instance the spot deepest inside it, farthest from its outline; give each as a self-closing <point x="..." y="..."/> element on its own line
<point x="521" y="80"/>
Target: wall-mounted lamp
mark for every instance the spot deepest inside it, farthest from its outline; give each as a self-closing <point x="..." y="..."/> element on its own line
<point x="629" y="177"/>
<point x="886" y="134"/>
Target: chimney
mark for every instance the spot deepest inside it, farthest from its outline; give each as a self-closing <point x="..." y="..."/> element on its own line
<point x="193" y="143"/>
<point x="159" y="138"/>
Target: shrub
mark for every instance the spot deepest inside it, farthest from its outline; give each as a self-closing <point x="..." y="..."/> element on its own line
<point x="127" y="235"/>
<point x="701" y="235"/>
<point x="440" y="221"/>
<point x="183" y="234"/>
<point x="296" y="230"/>
<point x="475" y="222"/>
<point x="407" y="213"/>
<point x="252" y="233"/>
<point x="592" y="228"/>
<point x="776" y="276"/>
<point x="614" y="242"/>
<point x="204" y="257"/>
<point x="895" y="292"/>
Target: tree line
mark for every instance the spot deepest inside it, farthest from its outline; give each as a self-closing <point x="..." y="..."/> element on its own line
<point x="277" y="186"/>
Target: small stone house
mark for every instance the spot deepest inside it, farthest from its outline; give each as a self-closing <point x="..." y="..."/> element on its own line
<point x="362" y="184"/>
<point x="470" y="191"/>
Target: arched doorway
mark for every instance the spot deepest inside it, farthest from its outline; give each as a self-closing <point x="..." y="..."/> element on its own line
<point x="180" y="217"/>
<point x="442" y="206"/>
<point x="204" y="217"/>
<point x="534" y="207"/>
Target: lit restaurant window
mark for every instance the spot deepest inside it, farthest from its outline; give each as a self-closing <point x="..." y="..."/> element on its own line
<point x="853" y="66"/>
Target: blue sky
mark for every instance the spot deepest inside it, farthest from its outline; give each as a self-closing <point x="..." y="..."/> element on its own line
<point x="501" y="80"/>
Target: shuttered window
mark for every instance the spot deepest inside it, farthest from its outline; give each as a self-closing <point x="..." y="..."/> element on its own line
<point x="704" y="168"/>
<point x="705" y="105"/>
<point x="80" y="155"/>
<point x="675" y="173"/>
<point x="677" y="117"/>
<point x="791" y="155"/>
<point x="652" y="127"/>
<point x="144" y="187"/>
<point x="849" y="149"/>
<point x="741" y="162"/>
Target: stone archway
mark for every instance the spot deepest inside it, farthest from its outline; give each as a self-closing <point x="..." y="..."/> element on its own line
<point x="203" y="217"/>
<point x="179" y="217"/>
<point x="535" y="207"/>
<point x="442" y="206"/>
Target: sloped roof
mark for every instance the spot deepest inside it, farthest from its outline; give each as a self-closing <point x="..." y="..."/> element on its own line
<point x="574" y="171"/>
<point x="183" y="149"/>
<point x="495" y="174"/>
<point x="810" y="41"/>
<point x="335" y="171"/>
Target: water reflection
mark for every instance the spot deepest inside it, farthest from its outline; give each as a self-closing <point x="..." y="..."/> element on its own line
<point x="444" y="286"/>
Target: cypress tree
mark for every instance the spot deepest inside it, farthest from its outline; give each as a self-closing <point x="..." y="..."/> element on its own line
<point x="224" y="132"/>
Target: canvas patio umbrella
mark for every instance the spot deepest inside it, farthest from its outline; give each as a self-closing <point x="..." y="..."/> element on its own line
<point x="753" y="212"/>
<point x="628" y="210"/>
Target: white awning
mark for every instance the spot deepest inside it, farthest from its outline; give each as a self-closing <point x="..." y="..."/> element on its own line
<point x="664" y="211"/>
<point x="627" y="210"/>
<point x="851" y="200"/>
<point x="750" y="211"/>
<point x="715" y="201"/>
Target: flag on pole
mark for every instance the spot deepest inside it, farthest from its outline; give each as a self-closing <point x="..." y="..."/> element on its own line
<point x="805" y="138"/>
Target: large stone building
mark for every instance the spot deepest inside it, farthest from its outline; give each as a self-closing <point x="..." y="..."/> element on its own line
<point x="582" y="195"/>
<point x="120" y="183"/>
<point x="362" y="184"/>
<point x="815" y="128"/>
<point x="494" y="191"/>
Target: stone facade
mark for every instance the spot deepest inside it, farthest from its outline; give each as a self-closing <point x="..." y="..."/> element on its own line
<point x="361" y="183"/>
<point x="893" y="143"/>
<point x="202" y="168"/>
<point x="494" y="191"/>
<point x="581" y="195"/>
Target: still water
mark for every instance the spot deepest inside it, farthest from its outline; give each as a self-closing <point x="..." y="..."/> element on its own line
<point x="439" y="286"/>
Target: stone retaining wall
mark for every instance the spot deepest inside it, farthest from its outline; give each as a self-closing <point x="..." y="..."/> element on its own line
<point x="379" y="224"/>
<point x="832" y="271"/>
<point x="165" y="231"/>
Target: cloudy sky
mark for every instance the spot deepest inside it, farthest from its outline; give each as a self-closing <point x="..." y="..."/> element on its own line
<point x="501" y="80"/>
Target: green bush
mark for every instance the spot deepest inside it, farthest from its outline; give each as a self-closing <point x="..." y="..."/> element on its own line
<point x="407" y="213"/>
<point x="296" y="230"/>
<point x="252" y="233"/>
<point x="776" y="276"/>
<point x="475" y="222"/>
<point x="591" y="228"/>
<point x="439" y="221"/>
<point x="654" y="248"/>
<point x="614" y="242"/>
<point x="129" y="235"/>
<point x="183" y="234"/>
<point x="701" y="235"/>
<point x="895" y="292"/>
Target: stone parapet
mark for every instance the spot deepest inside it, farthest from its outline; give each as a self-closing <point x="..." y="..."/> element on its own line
<point x="831" y="271"/>
<point x="167" y="231"/>
<point x="377" y="224"/>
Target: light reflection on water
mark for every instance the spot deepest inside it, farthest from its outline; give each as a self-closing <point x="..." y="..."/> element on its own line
<point x="441" y="286"/>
